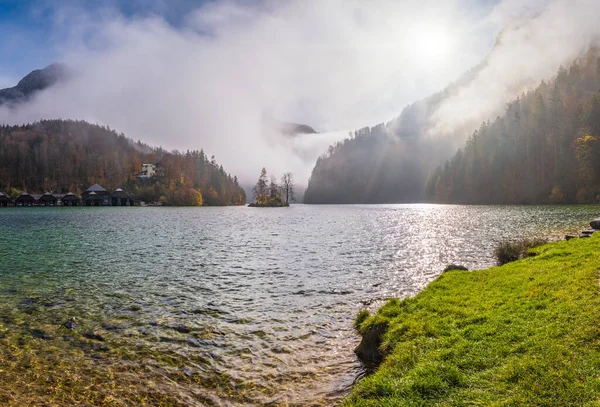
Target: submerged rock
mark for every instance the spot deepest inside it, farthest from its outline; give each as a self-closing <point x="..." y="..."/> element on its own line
<point x="93" y="335"/>
<point x="569" y="237"/>
<point x="451" y="267"/>
<point x="595" y="224"/>
<point x="70" y="323"/>
<point x="584" y="235"/>
<point x="40" y="334"/>
<point x="182" y="329"/>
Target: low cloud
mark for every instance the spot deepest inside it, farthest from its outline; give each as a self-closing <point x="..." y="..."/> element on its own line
<point x="335" y="65"/>
<point x="536" y="41"/>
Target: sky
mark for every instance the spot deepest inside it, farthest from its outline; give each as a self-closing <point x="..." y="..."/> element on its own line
<point x="188" y="74"/>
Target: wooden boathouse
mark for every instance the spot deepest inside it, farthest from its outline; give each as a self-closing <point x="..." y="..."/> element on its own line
<point x="25" y="199"/>
<point x="5" y="200"/>
<point x="95" y="195"/>
<point x="48" y="199"/>
<point x="70" y="199"/>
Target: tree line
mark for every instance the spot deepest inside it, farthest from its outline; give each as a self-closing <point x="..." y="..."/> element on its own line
<point x="63" y="156"/>
<point x="544" y="149"/>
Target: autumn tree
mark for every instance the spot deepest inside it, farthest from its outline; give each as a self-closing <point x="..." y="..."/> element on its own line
<point x="586" y="151"/>
<point x="273" y="189"/>
<point x="287" y="186"/>
<point x="261" y="189"/>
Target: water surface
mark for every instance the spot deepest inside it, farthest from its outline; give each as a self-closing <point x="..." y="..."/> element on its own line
<point x="221" y="306"/>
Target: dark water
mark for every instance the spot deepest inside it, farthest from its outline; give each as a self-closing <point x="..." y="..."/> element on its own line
<point x="225" y="306"/>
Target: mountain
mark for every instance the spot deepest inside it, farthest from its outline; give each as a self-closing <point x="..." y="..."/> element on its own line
<point x="35" y="81"/>
<point x="392" y="162"/>
<point x="389" y="162"/>
<point x="294" y="129"/>
<point x="68" y="156"/>
<point x="287" y="129"/>
<point x="544" y="149"/>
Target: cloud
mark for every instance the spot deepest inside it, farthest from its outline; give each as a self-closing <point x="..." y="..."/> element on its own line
<point x="529" y="50"/>
<point x="206" y="83"/>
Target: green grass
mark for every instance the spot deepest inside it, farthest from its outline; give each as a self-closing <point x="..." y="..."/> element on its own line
<point x="523" y="334"/>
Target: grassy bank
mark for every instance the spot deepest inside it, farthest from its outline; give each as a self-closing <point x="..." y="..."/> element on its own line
<point x="524" y="334"/>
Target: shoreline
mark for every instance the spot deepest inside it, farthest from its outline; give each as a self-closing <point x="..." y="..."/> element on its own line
<point x="525" y="332"/>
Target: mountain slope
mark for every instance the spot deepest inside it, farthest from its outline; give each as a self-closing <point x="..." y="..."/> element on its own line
<point x="33" y="82"/>
<point x="68" y="156"/>
<point x="544" y="149"/>
<point x="387" y="163"/>
<point x="430" y="131"/>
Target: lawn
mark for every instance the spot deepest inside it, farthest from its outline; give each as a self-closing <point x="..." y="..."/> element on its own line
<point x="523" y="334"/>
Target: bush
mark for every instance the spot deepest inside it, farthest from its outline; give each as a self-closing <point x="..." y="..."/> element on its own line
<point x="508" y="251"/>
<point x="182" y="197"/>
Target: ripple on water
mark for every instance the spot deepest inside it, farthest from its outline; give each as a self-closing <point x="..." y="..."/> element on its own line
<point x="221" y="306"/>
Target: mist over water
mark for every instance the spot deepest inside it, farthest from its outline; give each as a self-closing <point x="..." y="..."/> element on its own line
<point x="225" y="306"/>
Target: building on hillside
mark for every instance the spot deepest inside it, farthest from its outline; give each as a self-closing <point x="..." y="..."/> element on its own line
<point x="98" y="192"/>
<point x="121" y="198"/>
<point x="70" y="199"/>
<point x="25" y="200"/>
<point x="48" y="200"/>
<point x="5" y="200"/>
<point x="148" y="171"/>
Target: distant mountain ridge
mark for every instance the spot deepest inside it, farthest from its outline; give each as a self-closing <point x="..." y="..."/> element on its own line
<point x="35" y="81"/>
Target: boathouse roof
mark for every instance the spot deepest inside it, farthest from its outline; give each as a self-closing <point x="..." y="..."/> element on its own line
<point x="119" y="193"/>
<point x="47" y="197"/>
<point x="25" y="197"/>
<point x="95" y="188"/>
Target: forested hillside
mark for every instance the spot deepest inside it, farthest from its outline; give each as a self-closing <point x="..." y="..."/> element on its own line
<point x="545" y="149"/>
<point x="387" y="163"/>
<point x="68" y="156"/>
<point x="371" y="167"/>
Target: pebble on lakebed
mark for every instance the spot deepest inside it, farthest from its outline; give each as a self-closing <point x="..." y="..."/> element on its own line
<point x="70" y="323"/>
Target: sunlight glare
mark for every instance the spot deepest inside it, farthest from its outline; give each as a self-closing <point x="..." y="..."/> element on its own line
<point x="433" y="43"/>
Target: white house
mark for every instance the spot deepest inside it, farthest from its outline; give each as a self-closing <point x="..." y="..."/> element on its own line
<point x="148" y="171"/>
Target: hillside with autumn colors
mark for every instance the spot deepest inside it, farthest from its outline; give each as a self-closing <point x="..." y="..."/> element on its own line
<point x="544" y="149"/>
<point x="63" y="156"/>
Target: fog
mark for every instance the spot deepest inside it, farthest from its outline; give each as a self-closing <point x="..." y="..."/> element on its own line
<point x="335" y="65"/>
<point x="529" y="49"/>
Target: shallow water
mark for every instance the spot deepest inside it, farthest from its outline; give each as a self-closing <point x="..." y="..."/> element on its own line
<point x="221" y="306"/>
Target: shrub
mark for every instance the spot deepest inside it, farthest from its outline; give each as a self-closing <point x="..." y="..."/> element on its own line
<point x="508" y="251"/>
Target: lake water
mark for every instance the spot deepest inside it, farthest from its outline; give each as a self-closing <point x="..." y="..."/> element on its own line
<point x="222" y="306"/>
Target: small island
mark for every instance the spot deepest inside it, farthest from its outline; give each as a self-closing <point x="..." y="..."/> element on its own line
<point x="273" y="195"/>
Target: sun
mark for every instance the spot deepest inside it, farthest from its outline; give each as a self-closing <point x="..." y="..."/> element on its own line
<point x="433" y="43"/>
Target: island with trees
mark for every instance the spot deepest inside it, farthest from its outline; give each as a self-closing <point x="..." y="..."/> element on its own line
<point x="271" y="194"/>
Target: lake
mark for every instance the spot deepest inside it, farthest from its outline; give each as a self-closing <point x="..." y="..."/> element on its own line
<point x="221" y="306"/>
